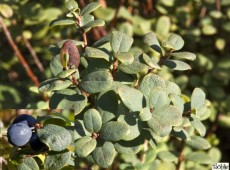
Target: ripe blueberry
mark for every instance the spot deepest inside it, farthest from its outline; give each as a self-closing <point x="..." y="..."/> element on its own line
<point x="36" y="144"/>
<point x="26" y="119"/>
<point x="19" y="134"/>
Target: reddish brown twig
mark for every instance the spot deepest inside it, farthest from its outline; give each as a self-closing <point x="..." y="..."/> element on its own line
<point x="181" y="157"/>
<point x="33" y="54"/>
<point x="114" y="71"/>
<point x="103" y="3"/>
<point x="203" y="11"/>
<point x="218" y="5"/>
<point x="19" y="54"/>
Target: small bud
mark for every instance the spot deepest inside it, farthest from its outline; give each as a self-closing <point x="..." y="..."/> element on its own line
<point x="70" y="57"/>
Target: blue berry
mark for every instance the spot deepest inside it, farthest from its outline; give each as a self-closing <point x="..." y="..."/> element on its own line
<point x="19" y="134"/>
<point x="36" y="144"/>
<point x="26" y="119"/>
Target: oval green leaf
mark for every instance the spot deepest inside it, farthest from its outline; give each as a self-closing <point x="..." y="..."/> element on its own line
<point x="56" y="160"/>
<point x="104" y="154"/>
<point x="114" y="131"/>
<point x="198" y="142"/>
<point x="96" y="81"/>
<point x="58" y="22"/>
<point x="92" y="120"/>
<point x="120" y="42"/>
<point x="90" y="8"/>
<point x="176" y="65"/>
<point x="84" y="146"/>
<point x="55" y="137"/>
<point x="68" y="99"/>
<point x="28" y="164"/>
<point x="174" y="42"/>
<point x="132" y="98"/>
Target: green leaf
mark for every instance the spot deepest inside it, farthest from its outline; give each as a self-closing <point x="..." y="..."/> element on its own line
<point x="163" y="119"/>
<point x="96" y="81"/>
<point x="84" y="146"/>
<point x="129" y="147"/>
<point x="134" y="68"/>
<point x="90" y="8"/>
<point x="28" y="164"/>
<point x="198" y="142"/>
<point x="125" y="58"/>
<point x="87" y="18"/>
<point x="134" y="124"/>
<point x="124" y="13"/>
<point x="54" y="84"/>
<point x="172" y="88"/>
<point x="57" y="22"/>
<point x="151" y="155"/>
<point x="56" y="66"/>
<point x="158" y="98"/>
<point x="197" y="99"/>
<point x="114" y="131"/>
<point x="176" y="65"/>
<point x="184" y="55"/>
<point x="145" y="114"/>
<point x="96" y="53"/>
<point x="106" y="14"/>
<point x="126" y="28"/>
<point x="132" y="98"/>
<point x="152" y="62"/>
<point x="163" y="26"/>
<point x="166" y="166"/>
<point x="150" y="82"/>
<point x="54" y="120"/>
<point x="67" y="73"/>
<point x="167" y="156"/>
<point x="56" y="160"/>
<point x="151" y="40"/>
<point x="80" y="129"/>
<point x="71" y="5"/>
<point x="107" y="105"/>
<point x="92" y="120"/>
<point x="199" y="157"/>
<point x="95" y="23"/>
<point x="177" y="101"/>
<point x="104" y="154"/>
<point x="209" y="29"/>
<point x="120" y="42"/>
<point x="174" y="42"/>
<point x="6" y="10"/>
<point x="197" y="124"/>
<point x="55" y="137"/>
<point x="68" y="99"/>
<point x="215" y="154"/>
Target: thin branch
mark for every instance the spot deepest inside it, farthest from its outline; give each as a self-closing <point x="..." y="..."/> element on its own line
<point x="103" y="3"/>
<point x="181" y="157"/>
<point x="162" y="59"/>
<point x="143" y="157"/>
<point x="218" y="5"/>
<point x="19" y="54"/>
<point x="203" y="11"/>
<point x="33" y="54"/>
<point x="84" y="38"/>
